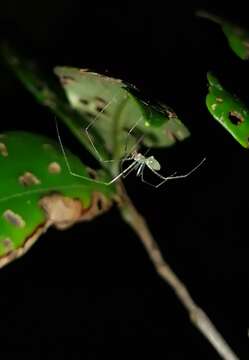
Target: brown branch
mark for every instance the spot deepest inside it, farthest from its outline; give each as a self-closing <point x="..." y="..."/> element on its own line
<point x="198" y="317"/>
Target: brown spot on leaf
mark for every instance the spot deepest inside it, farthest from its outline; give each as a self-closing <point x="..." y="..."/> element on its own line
<point x="83" y="71"/>
<point x="92" y="173"/>
<point x="84" y="101"/>
<point x="99" y="205"/>
<point x="64" y="212"/>
<point x="171" y="114"/>
<point x="28" y="179"/>
<point x="8" y="244"/>
<point x="100" y="100"/>
<point x="3" y="149"/>
<point x="235" y="117"/>
<point x="13" y="218"/>
<point x="101" y="109"/>
<point x="67" y="79"/>
<point x="61" y="211"/>
<point x="54" y="168"/>
<point x="171" y="135"/>
<point x="219" y="99"/>
<point x="100" y="104"/>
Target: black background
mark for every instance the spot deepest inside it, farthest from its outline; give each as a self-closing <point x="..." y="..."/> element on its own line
<point x="91" y="292"/>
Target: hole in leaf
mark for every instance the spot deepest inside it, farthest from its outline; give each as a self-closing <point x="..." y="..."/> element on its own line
<point x="100" y="109"/>
<point x="84" y="101"/>
<point x="100" y="100"/>
<point x="99" y="205"/>
<point x="235" y="117"/>
<point x="100" y="104"/>
<point x="92" y="174"/>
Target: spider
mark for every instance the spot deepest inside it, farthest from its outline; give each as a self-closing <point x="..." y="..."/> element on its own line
<point x="139" y="162"/>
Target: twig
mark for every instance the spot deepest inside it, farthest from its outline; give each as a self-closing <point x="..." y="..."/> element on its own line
<point x="198" y="317"/>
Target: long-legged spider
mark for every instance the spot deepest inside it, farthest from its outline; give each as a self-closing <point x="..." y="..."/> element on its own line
<point x="139" y="161"/>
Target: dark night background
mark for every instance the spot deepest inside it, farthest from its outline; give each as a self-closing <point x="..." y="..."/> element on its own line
<point x="81" y="293"/>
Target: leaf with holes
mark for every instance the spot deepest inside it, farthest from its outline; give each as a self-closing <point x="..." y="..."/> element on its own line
<point x="88" y="94"/>
<point x="114" y="107"/>
<point x="228" y="110"/>
<point x="237" y="37"/>
<point x="37" y="191"/>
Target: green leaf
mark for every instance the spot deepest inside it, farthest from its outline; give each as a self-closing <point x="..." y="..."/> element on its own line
<point x="37" y="190"/>
<point x="114" y="108"/>
<point x="228" y="110"/>
<point x="237" y="37"/>
<point x="157" y="123"/>
<point x="238" y="40"/>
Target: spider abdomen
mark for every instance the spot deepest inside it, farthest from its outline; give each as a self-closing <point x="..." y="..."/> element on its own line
<point x="152" y="163"/>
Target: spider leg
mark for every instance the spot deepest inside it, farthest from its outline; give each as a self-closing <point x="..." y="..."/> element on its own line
<point x="146" y="152"/>
<point x="173" y="177"/>
<point x="129" y="134"/>
<point x="140" y="169"/>
<point x="91" y="124"/>
<point x="132" y="169"/>
<point x="164" y="181"/>
<point x="151" y="184"/>
<point x="71" y="172"/>
<point x="130" y="157"/>
<point x="136" y="144"/>
<point x="122" y="164"/>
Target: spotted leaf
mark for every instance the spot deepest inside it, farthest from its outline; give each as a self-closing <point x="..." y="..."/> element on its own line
<point x="228" y="110"/>
<point x="237" y="37"/>
<point x="37" y="191"/>
<point x="88" y="94"/>
<point x="114" y="107"/>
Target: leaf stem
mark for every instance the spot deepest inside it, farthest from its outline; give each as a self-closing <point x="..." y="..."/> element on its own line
<point x="198" y="317"/>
